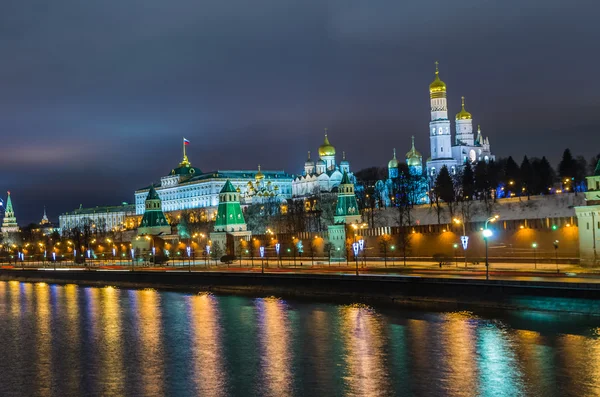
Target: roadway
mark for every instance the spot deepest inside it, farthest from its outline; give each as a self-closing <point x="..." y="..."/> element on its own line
<point x="498" y="271"/>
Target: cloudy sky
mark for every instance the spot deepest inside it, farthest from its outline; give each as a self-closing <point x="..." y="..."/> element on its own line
<point x="95" y="97"/>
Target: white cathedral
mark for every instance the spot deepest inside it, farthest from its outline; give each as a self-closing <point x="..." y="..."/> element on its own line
<point x="466" y="149"/>
<point x="322" y="176"/>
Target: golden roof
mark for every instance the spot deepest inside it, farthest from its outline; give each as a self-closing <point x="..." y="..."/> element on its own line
<point x="437" y="86"/>
<point x="463" y="114"/>
<point x="259" y="174"/>
<point x="326" y="149"/>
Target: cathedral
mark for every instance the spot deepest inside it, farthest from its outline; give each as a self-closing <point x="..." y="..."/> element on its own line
<point x="466" y="148"/>
<point x="322" y="176"/>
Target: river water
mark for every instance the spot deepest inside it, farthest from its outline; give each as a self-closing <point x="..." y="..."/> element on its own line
<point x="85" y="341"/>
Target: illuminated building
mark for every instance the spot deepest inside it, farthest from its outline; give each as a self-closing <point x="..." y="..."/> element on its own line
<point x="154" y="221"/>
<point x="588" y="219"/>
<point x="106" y="218"/>
<point x="230" y="224"/>
<point x="346" y="213"/>
<point x="9" y="223"/>
<point x="466" y="149"/>
<point x="322" y="176"/>
<point x="187" y="187"/>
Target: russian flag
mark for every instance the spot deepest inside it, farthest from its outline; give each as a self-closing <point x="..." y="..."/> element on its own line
<point x="186" y="142"/>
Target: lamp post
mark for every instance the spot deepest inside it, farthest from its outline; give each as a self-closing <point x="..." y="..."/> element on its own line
<point x="464" y="236"/>
<point x="556" y="254"/>
<point x="455" y="258"/>
<point x="355" y="244"/>
<point x="487" y="233"/>
<point x="534" y="246"/>
<point x="261" y="250"/>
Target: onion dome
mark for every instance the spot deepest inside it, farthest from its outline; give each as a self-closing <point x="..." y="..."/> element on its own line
<point x="463" y="114"/>
<point x="393" y="163"/>
<point x="309" y="162"/>
<point x="321" y="162"/>
<point x="259" y="175"/>
<point x="413" y="158"/>
<point x="437" y="88"/>
<point x="344" y="161"/>
<point x="326" y="149"/>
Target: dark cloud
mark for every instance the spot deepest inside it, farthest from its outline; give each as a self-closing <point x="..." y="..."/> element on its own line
<point x="95" y="96"/>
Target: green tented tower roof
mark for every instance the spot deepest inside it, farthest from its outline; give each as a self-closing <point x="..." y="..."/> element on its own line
<point x="230" y="217"/>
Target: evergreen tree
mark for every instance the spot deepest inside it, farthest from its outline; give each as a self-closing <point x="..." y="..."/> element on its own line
<point x="567" y="168"/>
<point x="482" y="186"/>
<point x="468" y="183"/>
<point x="544" y="176"/>
<point x="444" y="188"/>
<point x="512" y="176"/>
<point x="527" y="178"/>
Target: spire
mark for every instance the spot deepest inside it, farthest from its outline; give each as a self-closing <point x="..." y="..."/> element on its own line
<point x="44" y="220"/>
<point x="436" y="68"/>
<point x="259" y="175"/>
<point x="308" y="156"/>
<point x="597" y="170"/>
<point x="413" y="144"/>
<point x="9" y="207"/>
<point x="479" y="139"/>
<point x="437" y="89"/>
<point x="463" y="114"/>
<point x="395" y="148"/>
<point x="344" y="155"/>
<point x="345" y="179"/>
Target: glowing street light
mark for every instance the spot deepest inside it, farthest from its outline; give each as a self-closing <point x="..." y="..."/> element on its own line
<point x="534" y="246"/>
<point x="487" y="233"/>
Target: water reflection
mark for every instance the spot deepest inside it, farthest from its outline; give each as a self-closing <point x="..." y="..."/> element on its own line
<point x="275" y="349"/>
<point x="151" y="343"/>
<point x="43" y="339"/>
<point x="206" y="345"/>
<point x="364" y="345"/>
<point x="68" y="340"/>
<point x="457" y="335"/>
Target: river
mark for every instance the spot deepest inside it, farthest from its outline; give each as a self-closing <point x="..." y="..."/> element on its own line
<point x="67" y="340"/>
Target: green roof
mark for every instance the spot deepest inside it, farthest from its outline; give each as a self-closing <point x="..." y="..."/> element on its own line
<point x="152" y="195"/>
<point x="345" y="179"/>
<point x="228" y="187"/>
<point x="186" y="170"/>
<point x="597" y="170"/>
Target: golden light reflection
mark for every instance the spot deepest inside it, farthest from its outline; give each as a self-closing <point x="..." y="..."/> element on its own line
<point x="581" y="360"/>
<point x="43" y="337"/>
<point x="364" y="352"/>
<point x="15" y="298"/>
<point x="207" y="345"/>
<point x="274" y="334"/>
<point x="458" y="339"/>
<point x="151" y="342"/>
<point x="71" y="302"/>
<point x="111" y="351"/>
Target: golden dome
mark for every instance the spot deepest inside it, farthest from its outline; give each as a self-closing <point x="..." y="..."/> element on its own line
<point x="463" y="114"/>
<point x="413" y="158"/>
<point x="393" y="163"/>
<point x="259" y="175"/>
<point x="437" y="86"/>
<point x="326" y="149"/>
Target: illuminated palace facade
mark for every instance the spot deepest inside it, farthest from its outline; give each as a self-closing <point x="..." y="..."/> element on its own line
<point x="187" y="188"/>
<point x="466" y="148"/>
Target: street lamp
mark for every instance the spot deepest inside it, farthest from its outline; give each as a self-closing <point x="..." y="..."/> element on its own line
<point x="455" y="258"/>
<point x="556" y="254"/>
<point x="463" y="237"/>
<point x="355" y="244"/>
<point x="487" y="233"/>
<point x="534" y="246"/>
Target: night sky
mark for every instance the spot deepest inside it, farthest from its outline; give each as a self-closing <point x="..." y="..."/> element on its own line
<point x="95" y="97"/>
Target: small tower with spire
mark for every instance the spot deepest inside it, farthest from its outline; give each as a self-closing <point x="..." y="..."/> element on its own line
<point x="464" y="126"/>
<point x="9" y="223"/>
<point x="309" y="166"/>
<point x="154" y="221"/>
<point x="393" y="167"/>
<point x="414" y="160"/>
<point x="230" y="225"/>
<point x="344" y="164"/>
<point x="346" y="210"/>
